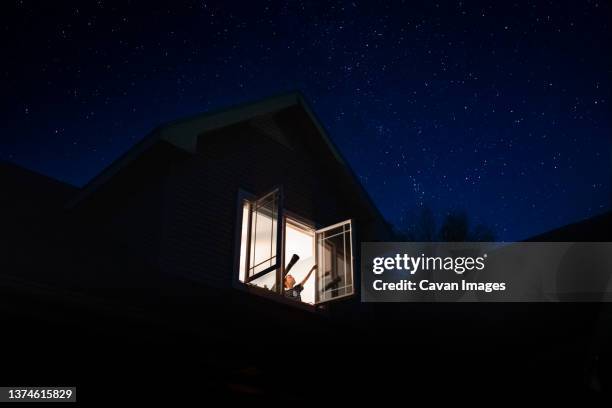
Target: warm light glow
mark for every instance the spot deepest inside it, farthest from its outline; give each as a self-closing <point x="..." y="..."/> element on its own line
<point x="300" y="240"/>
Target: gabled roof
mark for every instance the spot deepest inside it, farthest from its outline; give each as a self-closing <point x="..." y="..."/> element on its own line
<point x="21" y="186"/>
<point x="184" y="133"/>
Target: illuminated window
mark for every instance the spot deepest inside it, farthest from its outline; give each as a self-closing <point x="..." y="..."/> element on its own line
<point x="287" y="256"/>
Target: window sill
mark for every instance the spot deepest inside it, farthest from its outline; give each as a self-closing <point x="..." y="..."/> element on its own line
<point x="267" y="294"/>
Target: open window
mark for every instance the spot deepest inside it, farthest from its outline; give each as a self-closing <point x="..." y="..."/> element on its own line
<point x="334" y="254"/>
<point x="261" y="242"/>
<point x="275" y="243"/>
<point x="300" y="242"/>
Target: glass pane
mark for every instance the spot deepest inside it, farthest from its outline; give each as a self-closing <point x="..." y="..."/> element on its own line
<point x="267" y="281"/>
<point x="335" y="261"/>
<point x="264" y="220"/>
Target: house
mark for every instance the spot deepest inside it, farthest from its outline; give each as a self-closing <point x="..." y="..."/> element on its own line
<point x="189" y="236"/>
<point x="174" y="257"/>
<point x="227" y="198"/>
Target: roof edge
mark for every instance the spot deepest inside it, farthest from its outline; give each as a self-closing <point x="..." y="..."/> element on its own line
<point x="183" y="133"/>
<point x="335" y="151"/>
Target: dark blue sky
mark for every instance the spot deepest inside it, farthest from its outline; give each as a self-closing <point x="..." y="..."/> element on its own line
<point x="501" y="110"/>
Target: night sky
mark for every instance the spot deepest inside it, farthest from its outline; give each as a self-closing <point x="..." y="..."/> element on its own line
<point x="500" y="110"/>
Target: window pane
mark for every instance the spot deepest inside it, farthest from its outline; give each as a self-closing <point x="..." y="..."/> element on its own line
<point x="267" y="281"/>
<point x="335" y="261"/>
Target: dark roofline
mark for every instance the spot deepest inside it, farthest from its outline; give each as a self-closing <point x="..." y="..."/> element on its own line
<point x="216" y="119"/>
<point x="35" y="184"/>
<point x="597" y="229"/>
<point x="331" y="145"/>
<point x="184" y="132"/>
<point x="7" y="166"/>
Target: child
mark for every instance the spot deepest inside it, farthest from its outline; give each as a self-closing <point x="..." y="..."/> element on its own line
<point x="292" y="290"/>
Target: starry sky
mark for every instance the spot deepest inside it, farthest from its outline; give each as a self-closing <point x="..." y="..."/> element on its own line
<point x="501" y="109"/>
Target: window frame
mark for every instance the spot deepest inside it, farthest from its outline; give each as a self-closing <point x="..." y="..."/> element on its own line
<point x="279" y="237"/>
<point x="242" y="196"/>
<point x="351" y="223"/>
<point x="278" y="295"/>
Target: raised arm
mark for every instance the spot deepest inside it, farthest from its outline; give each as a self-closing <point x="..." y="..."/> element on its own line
<point x="308" y="276"/>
